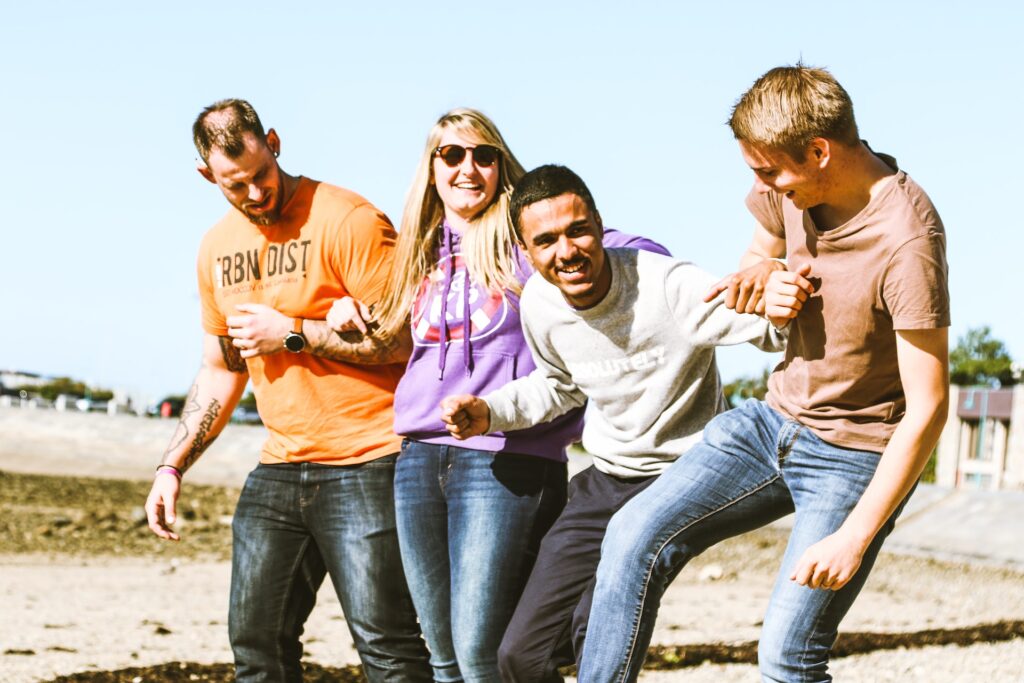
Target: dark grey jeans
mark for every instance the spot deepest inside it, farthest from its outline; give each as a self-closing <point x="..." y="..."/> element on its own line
<point x="294" y="524"/>
<point x="550" y="622"/>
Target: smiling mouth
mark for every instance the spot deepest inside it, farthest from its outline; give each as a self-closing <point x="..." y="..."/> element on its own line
<point x="573" y="270"/>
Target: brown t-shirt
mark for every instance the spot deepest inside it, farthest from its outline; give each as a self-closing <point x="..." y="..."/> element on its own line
<point x="328" y="243"/>
<point x="883" y="270"/>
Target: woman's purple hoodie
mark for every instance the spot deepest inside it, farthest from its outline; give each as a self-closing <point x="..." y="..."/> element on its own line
<point x="495" y="354"/>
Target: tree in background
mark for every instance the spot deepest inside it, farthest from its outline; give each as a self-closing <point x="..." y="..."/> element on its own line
<point x="746" y="388"/>
<point x="248" y="402"/>
<point x="69" y="387"/>
<point x="978" y="358"/>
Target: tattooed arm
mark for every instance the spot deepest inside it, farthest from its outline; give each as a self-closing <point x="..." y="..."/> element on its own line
<point x="258" y="329"/>
<point x="356" y="347"/>
<point x="214" y="394"/>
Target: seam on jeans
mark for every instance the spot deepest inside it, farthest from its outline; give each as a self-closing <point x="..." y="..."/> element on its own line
<point x="281" y="615"/>
<point x="650" y="570"/>
<point x="815" y="629"/>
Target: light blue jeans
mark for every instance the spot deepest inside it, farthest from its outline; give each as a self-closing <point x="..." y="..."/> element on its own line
<point x="296" y="522"/>
<point x="752" y="467"/>
<point x="469" y="525"/>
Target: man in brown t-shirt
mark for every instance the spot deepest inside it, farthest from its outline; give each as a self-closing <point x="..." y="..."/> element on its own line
<point x="852" y="413"/>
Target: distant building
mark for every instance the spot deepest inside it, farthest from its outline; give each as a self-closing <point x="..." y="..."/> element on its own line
<point x="982" y="444"/>
<point x="11" y="379"/>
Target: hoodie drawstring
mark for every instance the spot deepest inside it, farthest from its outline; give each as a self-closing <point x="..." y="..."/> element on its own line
<point x="443" y="356"/>
<point x="449" y="276"/>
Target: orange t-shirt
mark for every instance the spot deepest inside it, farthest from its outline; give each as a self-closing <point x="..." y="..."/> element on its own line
<point x="328" y="243"/>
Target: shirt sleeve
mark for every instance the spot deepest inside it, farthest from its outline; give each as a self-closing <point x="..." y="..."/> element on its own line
<point x="212" y="317"/>
<point x="365" y="250"/>
<point x="539" y="397"/>
<point x="766" y="207"/>
<point x="712" y="323"/>
<point x="915" y="288"/>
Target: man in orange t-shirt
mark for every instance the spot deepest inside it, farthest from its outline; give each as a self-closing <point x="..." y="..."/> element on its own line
<point x="320" y="502"/>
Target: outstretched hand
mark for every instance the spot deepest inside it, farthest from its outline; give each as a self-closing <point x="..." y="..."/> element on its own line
<point x="465" y="415"/>
<point x="744" y="289"/>
<point x="786" y="293"/>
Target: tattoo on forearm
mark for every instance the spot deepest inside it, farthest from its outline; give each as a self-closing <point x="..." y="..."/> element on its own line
<point x="190" y="406"/>
<point x="232" y="359"/>
<point x="353" y="347"/>
<point x="200" y="442"/>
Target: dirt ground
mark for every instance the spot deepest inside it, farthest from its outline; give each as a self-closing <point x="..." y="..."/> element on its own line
<point x="91" y="596"/>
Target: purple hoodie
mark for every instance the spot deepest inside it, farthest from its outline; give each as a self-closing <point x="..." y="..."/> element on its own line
<point x="495" y="354"/>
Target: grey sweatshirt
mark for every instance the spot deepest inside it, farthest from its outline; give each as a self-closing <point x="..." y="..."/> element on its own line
<point x="644" y="357"/>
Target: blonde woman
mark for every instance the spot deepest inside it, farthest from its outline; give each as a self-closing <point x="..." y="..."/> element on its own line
<point x="471" y="512"/>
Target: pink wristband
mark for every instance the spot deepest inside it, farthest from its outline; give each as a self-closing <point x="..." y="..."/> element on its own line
<point x="168" y="469"/>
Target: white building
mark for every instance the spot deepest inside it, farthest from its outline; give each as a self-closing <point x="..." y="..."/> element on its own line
<point x="982" y="444"/>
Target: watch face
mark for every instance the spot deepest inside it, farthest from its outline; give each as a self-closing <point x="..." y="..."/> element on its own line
<point x="294" y="342"/>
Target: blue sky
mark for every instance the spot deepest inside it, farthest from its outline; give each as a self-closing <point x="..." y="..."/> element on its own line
<point x="104" y="210"/>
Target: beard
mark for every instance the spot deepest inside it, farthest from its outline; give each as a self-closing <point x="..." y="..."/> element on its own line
<point x="268" y="216"/>
<point x="263" y="219"/>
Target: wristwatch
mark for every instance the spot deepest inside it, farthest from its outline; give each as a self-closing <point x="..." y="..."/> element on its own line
<point x="295" y="341"/>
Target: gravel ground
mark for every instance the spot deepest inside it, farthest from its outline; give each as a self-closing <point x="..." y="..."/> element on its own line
<point x="86" y="591"/>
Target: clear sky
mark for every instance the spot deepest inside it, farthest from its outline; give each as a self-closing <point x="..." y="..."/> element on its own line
<point x="104" y="210"/>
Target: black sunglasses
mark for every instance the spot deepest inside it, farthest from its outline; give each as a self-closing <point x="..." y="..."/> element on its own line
<point x="483" y="155"/>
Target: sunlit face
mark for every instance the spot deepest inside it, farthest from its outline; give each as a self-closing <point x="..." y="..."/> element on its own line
<point x="251" y="182"/>
<point x="563" y="244"/>
<point x="467" y="189"/>
<point x="802" y="182"/>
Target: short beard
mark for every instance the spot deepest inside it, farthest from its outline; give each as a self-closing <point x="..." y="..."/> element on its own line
<point x="264" y="219"/>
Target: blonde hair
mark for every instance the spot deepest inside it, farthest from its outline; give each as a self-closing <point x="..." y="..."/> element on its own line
<point x="487" y="246"/>
<point x="791" y="105"/>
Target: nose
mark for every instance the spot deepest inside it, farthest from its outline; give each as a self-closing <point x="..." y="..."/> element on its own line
<point x="566" y="248"/>
<point x="255" y="193"/>
<point x="467" y="167"/>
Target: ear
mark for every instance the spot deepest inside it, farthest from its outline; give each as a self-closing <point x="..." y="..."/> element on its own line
<point x="820" y="151"/>
<point x="273" y="142"/>
<point x="205" y="171"/>
<point x="600" y="224"/>
<point x="526" y="252"/>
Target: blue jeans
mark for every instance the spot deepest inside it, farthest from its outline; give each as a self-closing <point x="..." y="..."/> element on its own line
<point x="469" y="524"/>
<point x="297" y="522"/>
<point x="753" y="466"/>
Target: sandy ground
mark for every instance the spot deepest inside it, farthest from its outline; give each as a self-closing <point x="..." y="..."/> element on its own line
<point x="68" y="614"/>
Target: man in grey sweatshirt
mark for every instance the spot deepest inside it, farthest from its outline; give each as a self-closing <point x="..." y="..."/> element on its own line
<point x="629" y="332"/>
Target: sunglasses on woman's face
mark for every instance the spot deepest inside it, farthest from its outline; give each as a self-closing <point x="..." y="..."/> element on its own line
<point x="483" y="155"/>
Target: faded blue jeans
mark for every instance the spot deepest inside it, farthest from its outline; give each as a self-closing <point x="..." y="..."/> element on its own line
<point x="297" y="522"/>
<point x="469" y="525"/>
<point x="752" y="467"/>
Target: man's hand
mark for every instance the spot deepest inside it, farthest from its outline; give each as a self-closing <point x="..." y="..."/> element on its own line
<point x="785" y="295"/>
<point x="465" y="415"/>
<point x="348" y="314"/>
<point x="744" y="290"/>
<point x="830" y="563"/>
<point x="260" y="331"/>
<point x="160" y="505"/>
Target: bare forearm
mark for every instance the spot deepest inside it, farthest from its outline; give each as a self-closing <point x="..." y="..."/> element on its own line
<point x="213" y="396"/>
<point x="751" y="258"/>
<point x="355" y="347"/>
<point x="899" y="467"/>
